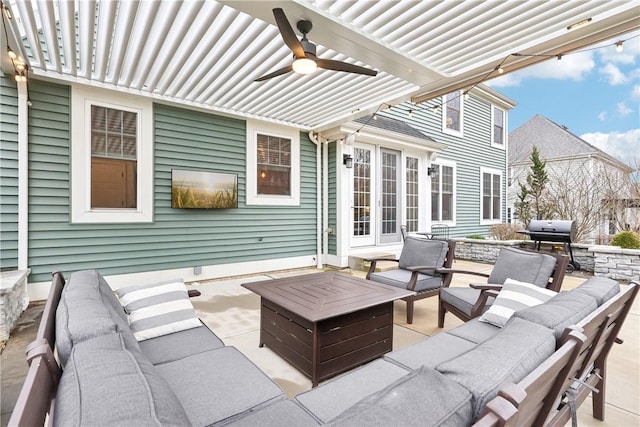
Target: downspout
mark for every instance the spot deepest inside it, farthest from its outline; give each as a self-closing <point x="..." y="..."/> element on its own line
<point x="23" y="177"/>
<point x="319" y="230"/>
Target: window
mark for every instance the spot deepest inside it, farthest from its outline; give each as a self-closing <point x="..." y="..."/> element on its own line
<point x="443" y="193"/>
<point x="273" y="165"/>
<point x="491" y="195"/>
<point x="412" y="191"/>
<point x="498" y="128"/>
<point x="452" y="113"/>
<point x="111" y="158"/>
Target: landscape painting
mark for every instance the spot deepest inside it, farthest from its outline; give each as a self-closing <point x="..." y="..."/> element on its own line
<point x="192" y="189"/>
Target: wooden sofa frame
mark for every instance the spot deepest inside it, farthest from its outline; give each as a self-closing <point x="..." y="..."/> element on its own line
<point x="550" y="395"/>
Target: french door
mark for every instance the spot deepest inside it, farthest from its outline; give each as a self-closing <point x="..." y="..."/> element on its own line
<point x="376" y="197"/>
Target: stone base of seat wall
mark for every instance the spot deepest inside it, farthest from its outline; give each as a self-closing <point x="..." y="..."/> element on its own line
<point x="604" y="261"/>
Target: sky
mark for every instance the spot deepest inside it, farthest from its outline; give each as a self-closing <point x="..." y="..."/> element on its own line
<point x="595" y="93"/>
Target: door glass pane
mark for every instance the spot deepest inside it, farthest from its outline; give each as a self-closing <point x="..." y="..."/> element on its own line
<point x="412" y="194"/>
<point x="389" y="193"/>
<point x="361" y="192"/>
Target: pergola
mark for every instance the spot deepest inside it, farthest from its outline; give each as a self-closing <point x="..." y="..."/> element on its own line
<point x="207" y="54"/>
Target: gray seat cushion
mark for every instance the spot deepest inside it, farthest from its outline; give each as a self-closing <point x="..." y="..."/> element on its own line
<point x="88" y="308"/>
<point x="463" y="298"/>
<point x="279" y="413"/>
<point x="170" y="347"/>
<point x="601" y="288"/>
<point x="520" y="347"/>
<point x="530" y="267"/>
<point x="400" y="279"/>
<point x="423" y="252"/>
<point x="431" y="351"/>
<point x="564" y="309"/>
<point x="330" y="399"/>
<point x="475" y="331"/>
<point x="423" y="398"/>
<point x="105" y="383"/>
<point x="215" y="385"/>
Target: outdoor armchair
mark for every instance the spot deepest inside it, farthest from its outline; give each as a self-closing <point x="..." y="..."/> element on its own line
<point x="542" y="269"/>
<point x="417" y="270"/>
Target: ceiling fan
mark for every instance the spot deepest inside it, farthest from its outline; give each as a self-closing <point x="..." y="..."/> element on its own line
<point x="304" y="52"/>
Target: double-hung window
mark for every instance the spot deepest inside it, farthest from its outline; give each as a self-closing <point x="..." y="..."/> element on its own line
<point x="498" y="118"/>
<point x="111" y="158"/>
<point x="452" y="113"/>
<point x="491" y="196"/>
<point x="273" y="165"/>
<point x="443" y="193"/>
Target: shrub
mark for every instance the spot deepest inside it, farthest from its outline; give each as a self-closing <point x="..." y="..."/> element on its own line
<point x="506" y="232"/>
<point x="626" y="240"/>
<point x="475" y="236"/>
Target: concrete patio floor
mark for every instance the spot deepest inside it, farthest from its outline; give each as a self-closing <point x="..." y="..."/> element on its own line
<point x="233" y="313"/>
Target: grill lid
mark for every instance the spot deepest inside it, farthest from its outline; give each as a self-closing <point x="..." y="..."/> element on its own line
<point x="543" y="228"/>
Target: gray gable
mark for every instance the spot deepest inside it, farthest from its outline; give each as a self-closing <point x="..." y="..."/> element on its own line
<point x="553" y="142"/>
<point x="393" y="125"/>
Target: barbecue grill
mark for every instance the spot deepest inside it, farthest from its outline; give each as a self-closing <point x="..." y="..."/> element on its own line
<point x="562" y="231"/>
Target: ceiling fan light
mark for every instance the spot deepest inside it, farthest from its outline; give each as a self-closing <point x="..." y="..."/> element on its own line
<point x="304" y="65"/>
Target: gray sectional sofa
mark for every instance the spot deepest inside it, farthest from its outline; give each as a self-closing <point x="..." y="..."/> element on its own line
<point x="107" y="377"/>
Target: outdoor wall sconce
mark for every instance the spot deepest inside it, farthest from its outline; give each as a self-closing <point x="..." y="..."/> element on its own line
<point x="347" y="160"/>
<point x="432" y="171"/>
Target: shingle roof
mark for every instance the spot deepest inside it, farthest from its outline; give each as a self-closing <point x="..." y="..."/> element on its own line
<point x="553" y="141"/>
<point x="393" y="125"/>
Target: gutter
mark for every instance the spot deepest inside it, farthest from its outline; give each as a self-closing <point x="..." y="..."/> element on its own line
<point x="23" y="177"/>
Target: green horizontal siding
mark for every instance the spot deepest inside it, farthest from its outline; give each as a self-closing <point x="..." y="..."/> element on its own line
<point x="8" y="173"/>
<point x="178" y="238"/>
<point x="470" y="152"/>
<point x="333" y="207"/>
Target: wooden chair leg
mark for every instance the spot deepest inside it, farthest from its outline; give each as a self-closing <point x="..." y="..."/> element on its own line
<point x="441" y="313"/>
<point x="410" y="311"/>
<point x="598" y="402"/>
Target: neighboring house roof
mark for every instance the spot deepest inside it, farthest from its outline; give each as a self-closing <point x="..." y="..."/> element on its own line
<point x="393" y="125"/>
<point x="554" y="142"/>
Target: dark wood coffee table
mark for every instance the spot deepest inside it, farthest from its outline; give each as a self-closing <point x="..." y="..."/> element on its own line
<point x="326" y="323"/>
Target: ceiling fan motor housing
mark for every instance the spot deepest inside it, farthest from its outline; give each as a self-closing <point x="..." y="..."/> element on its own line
<point x="309" y="48"/>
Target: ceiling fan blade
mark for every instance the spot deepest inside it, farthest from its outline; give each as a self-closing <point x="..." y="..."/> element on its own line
<point x="276" y="73"/>
<point x="287" y="33"/>
<point x="329" y="64"/>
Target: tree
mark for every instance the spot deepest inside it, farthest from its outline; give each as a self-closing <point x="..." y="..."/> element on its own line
<point x="532" y="201"/>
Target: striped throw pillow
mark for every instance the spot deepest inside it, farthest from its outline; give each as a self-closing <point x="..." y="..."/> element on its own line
<point x="158" y="309"/>
<point x="514" y="296"/>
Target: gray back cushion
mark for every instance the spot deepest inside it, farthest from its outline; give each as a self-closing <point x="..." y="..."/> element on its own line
<point x="530" y="267"/>
<point x="423" y="398"/>
<point x="508" y="357"/>
<point x="105" y="383"/>
<point x="88" y="308"/>
<point x="423" y="252"/>
<point x="601" y="288"/>
<point x="564" y="309"/>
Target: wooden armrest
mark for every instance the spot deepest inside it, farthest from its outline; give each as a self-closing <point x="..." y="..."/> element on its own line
<point x="194" y="293"/>
<point x="485" y="286"/>
<point x="421" y="268"/>
<point x="381" y="259"/>
<point x="453" y="270"/>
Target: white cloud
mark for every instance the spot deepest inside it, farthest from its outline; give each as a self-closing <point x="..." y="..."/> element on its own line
<point x="630" y="49"/>
<point x="635" y="92"/>
<point x="624" y="146"/>
<point x="622" y="109"/>
<point x="602" y="116"/>
<point x="613" y="75"/>
<point x="570" y="67"/>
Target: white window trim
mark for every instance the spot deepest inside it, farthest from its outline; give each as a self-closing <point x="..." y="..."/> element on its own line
<point x="445" y="129"/>
<point x="504" y="127"/>
<point x="453" y="165"/>
<point x="81" y="212"/>
<point x="254" y="128"/>
<point x="484" y="170"/>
